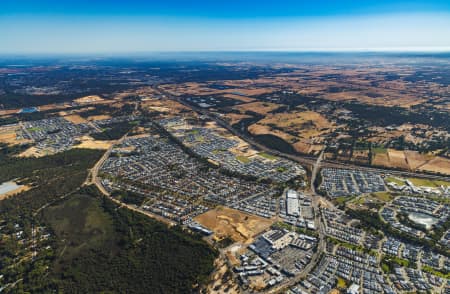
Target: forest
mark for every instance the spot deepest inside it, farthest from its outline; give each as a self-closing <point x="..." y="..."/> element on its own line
<point x="94" y="245"/>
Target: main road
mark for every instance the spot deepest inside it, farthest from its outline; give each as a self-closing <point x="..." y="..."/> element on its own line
<point x="306" y="160"/>
<point x="320" y="230"/>
<point x="93" y="178"/>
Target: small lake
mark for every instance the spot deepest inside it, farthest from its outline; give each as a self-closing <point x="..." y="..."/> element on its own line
<point x="423" y="219"/>
<point x="8" y="187"/>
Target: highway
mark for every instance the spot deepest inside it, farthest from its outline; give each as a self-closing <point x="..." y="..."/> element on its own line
<point x="306" y="160"/>
<point x="315" y="162"/>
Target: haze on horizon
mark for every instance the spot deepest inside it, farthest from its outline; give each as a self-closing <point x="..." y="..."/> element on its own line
<point x="85" y="27"/>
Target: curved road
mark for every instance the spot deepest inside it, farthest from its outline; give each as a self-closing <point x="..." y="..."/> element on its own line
<point x="307" y="160"/>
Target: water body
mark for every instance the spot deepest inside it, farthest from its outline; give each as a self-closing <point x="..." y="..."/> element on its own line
<point x="423" y="219"/>
<point x="29" y="110"/>
<point x="7" y="187"/>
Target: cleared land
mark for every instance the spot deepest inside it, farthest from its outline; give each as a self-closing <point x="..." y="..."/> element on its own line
<point x="234" y="118"/>
<point x="258" y="107"/>
<point x="8" y="135"/>
<point x="437" y="165"/>
<point x="89" y="143"/>
<point x="33" y="152"/>
<point x="75" y="118"/>
<point x="237" y="225"/>
<point x="89" y="99"/>
<point x="258" y="129"/>
<point x="98" y="117"/>
<point x="411" y="160"/>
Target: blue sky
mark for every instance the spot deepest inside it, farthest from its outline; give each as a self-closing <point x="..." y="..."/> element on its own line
<point x="50" y="26"/>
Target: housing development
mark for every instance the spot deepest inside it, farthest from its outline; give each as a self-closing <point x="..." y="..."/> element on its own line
<point x="281" y="173"/>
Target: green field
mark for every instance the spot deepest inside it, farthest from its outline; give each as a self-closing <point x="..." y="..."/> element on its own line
<point x="420" y="182"/>
<point x="243" y="159"/>
<point x="376" y="150"/>
<point x="428" y="183"/>
<point x="383" y="196"/>
<point x="267" y="156"/>
<point x="343" y="199"/>
<point x="395" y="180"/>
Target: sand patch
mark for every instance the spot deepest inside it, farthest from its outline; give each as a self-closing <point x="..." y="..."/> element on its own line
<point x="89" y="143"/>
<point x="33" y="152"/>
<point x="239" y="226"/>
<point x="75" y="119"/>
<point x="98" y="117"/>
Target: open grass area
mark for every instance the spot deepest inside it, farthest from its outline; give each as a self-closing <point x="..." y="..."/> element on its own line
<point x="437" y="273"/>
<point x="379" y="150"/>
<point x="243" y="159"/>
<point x="397" y="260"/>
<point x="394" y="180"/>
<point x="341" y="283"/>
<point x="351" y="246"/>
<point x="35" y="129"/>
<point x="267" y="156"/>
<point x="383" y="196"/>
<point x="343" y="199"/>
<point x="420" y="182"/>
<point x="428" y="182"/>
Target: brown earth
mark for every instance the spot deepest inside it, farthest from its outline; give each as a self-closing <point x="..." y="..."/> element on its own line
<point x="98" y="117"/>
<point x="89" y="99"/>
<point x="437" y="165"/>
<point x="75" y="118"/>
<point x="239" y="226"/>
<point x="259" y="107"/>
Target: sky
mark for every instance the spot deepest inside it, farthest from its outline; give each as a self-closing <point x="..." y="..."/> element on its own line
<point x="132" y="26"/>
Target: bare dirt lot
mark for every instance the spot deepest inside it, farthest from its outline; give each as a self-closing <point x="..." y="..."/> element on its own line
<point x="234" y="118"/>
<point x="8" y="135"/>
<point x="90" y="143"/>
<point x="437" y="165"/>
<point x="75" y="118"/>
<point x="221" y="280"/>
<point x="33" y="152"/>
<point x="239" y="226"/>
<point x="89" y="99"/>
<point x="98" y="117"/>
<point x="415" y="159"/>
<point x="397" y="159"/>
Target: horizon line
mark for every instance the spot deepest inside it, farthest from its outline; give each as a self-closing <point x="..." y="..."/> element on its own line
<point x="442" y="49"/>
